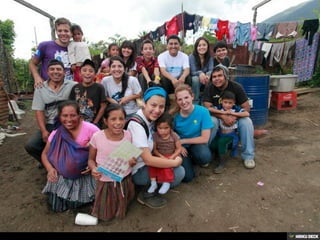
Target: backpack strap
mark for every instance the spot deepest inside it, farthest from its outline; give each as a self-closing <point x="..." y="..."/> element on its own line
<point x="135" y="117"/>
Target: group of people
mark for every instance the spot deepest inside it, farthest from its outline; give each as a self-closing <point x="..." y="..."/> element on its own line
<point x="82" y="121"/>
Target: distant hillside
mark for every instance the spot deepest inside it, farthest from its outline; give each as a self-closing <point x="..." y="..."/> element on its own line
<point x="307" y="10"/>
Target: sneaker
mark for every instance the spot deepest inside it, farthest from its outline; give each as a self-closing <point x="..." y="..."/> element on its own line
<point x="205" y="165"/>
<point x="152" y="200"/>
<point x="219" y="169"/>
<point x="249" y="163"/>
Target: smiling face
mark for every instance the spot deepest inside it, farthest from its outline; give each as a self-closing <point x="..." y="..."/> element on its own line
<point x="64" y="34"/>
<point x="115" y="122"/>
<point x="147" y="50"/>
<point x="184" y="100"/>
<point x="227" y="104"/>
<point x="116" y="69"/>
<point x="218" y="79"/>
<point x="173" y="47"/>
<point x="154" y="107"/>
<point x="56" y="73"/>
<point x="88" y="74"/>
<point x="69" y="117"/>
<point x="221" y="53"/>
<point x="202" y="47"/>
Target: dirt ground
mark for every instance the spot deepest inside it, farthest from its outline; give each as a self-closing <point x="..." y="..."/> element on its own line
<point x="280" y="195"/>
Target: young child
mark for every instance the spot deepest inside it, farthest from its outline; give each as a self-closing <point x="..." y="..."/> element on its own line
<point x="89" y="95"/>
<point x="147" y="66"/>
<point x="112" y="198"/>
<point x="104" y="70"/>
<point x="227" y="134"/>
<point x="166" y="145"/>
<point x="78" y="51"/>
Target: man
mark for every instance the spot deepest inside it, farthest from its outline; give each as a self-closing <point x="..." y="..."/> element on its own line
<point x="174" y="66"/>
<point x="45" y="101"/>
<point x="54" y="49"/>
<point x="211" y="96"/>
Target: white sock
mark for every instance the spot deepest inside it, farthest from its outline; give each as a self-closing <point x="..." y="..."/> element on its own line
<point x="153" y="187"/>
<point x="164" y="188"/>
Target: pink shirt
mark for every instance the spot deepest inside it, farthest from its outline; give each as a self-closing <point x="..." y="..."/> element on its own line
<point x="105" y="146"/>
<point x="85" y="133"/>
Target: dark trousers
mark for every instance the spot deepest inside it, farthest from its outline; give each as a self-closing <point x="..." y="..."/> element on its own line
<point x="168" y="86"/>
<point x="35" y="145"/>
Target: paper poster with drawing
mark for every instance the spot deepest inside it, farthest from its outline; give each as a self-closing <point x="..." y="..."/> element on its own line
<point x="116" y="165"/>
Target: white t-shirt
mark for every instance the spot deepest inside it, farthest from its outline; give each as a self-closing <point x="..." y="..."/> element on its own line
<point x="140" y="139"/>
<point x="112" y="88"/>
<point x="174" y="65"/>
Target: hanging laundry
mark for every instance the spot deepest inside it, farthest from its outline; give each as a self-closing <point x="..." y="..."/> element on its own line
<point x="310" y="27"/>
<point x="223" y="29"/>
<point x="265" y="31"/>
<point x="172" y="27"/>
<point x="286" y="29"/>
<point x="305" y="58"/>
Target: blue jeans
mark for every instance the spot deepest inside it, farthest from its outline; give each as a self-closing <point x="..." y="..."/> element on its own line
<point x="141" y="177"/>
<point x="196" y="89"/>
<point x="197" y="154"/>
<point x="245" y="128"/>
<point x="35" y="145"/>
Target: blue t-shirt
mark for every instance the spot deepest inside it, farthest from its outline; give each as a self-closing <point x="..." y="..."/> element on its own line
<point x="192" y="125"/>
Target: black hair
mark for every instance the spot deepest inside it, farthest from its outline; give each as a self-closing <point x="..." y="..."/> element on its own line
<point x="196" y="54"/>
<point x="113" y="107"/>
<point x="125" y="76"/>
<point x="228" y="95"/>
<point x="131" y="61"/>
<point x="109" y="48"/>
<point x="55" y="62"/>
<point x="164" y="118"/>
<point x="88" y="62"/>
<point x="75" y="27"/>
<point x="60" y="106"/>
<point x="220" y="44"/>
<point x="71" y="103"/>
<point x="145" y="42"/>
<point x="174" y="37"/>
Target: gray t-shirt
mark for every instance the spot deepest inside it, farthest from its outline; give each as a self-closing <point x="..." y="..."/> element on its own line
<point x="47" y="100"/>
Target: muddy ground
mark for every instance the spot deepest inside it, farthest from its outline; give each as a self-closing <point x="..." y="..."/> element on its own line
<point x="280" y="195"/>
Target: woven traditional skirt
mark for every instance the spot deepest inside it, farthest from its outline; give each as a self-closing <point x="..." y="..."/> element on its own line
<point x="112" y="199"/>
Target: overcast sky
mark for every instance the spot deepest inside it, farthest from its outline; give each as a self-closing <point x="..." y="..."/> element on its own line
<point x="101" y="19"/>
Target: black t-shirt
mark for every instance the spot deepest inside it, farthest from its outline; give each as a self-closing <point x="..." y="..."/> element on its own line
<point x="89" y="99"/>
<point x="225" y="62"/>
<point x="212" y="94"/>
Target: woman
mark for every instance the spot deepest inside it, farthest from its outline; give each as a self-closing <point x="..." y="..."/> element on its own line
<point x="193" y="124"/>
<point x="201" y="65"/>
<point x="65" y="157"/>
<point x="128" y="54"/>
<point x="122" y="88"/>
<point x="154" y="106"/>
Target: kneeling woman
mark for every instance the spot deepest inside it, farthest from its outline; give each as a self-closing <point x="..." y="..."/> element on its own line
<point x="193" y="124"/>
<point x="65" y="157"/>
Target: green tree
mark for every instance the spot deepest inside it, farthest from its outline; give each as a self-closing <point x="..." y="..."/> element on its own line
<point x="23" y="76"/>
<point x="211" y="38"/>
<point x="117" y="38"/>
<point x="8" y="35"/>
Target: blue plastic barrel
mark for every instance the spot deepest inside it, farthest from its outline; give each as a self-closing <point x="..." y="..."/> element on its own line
<point x="257" y="88"/>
